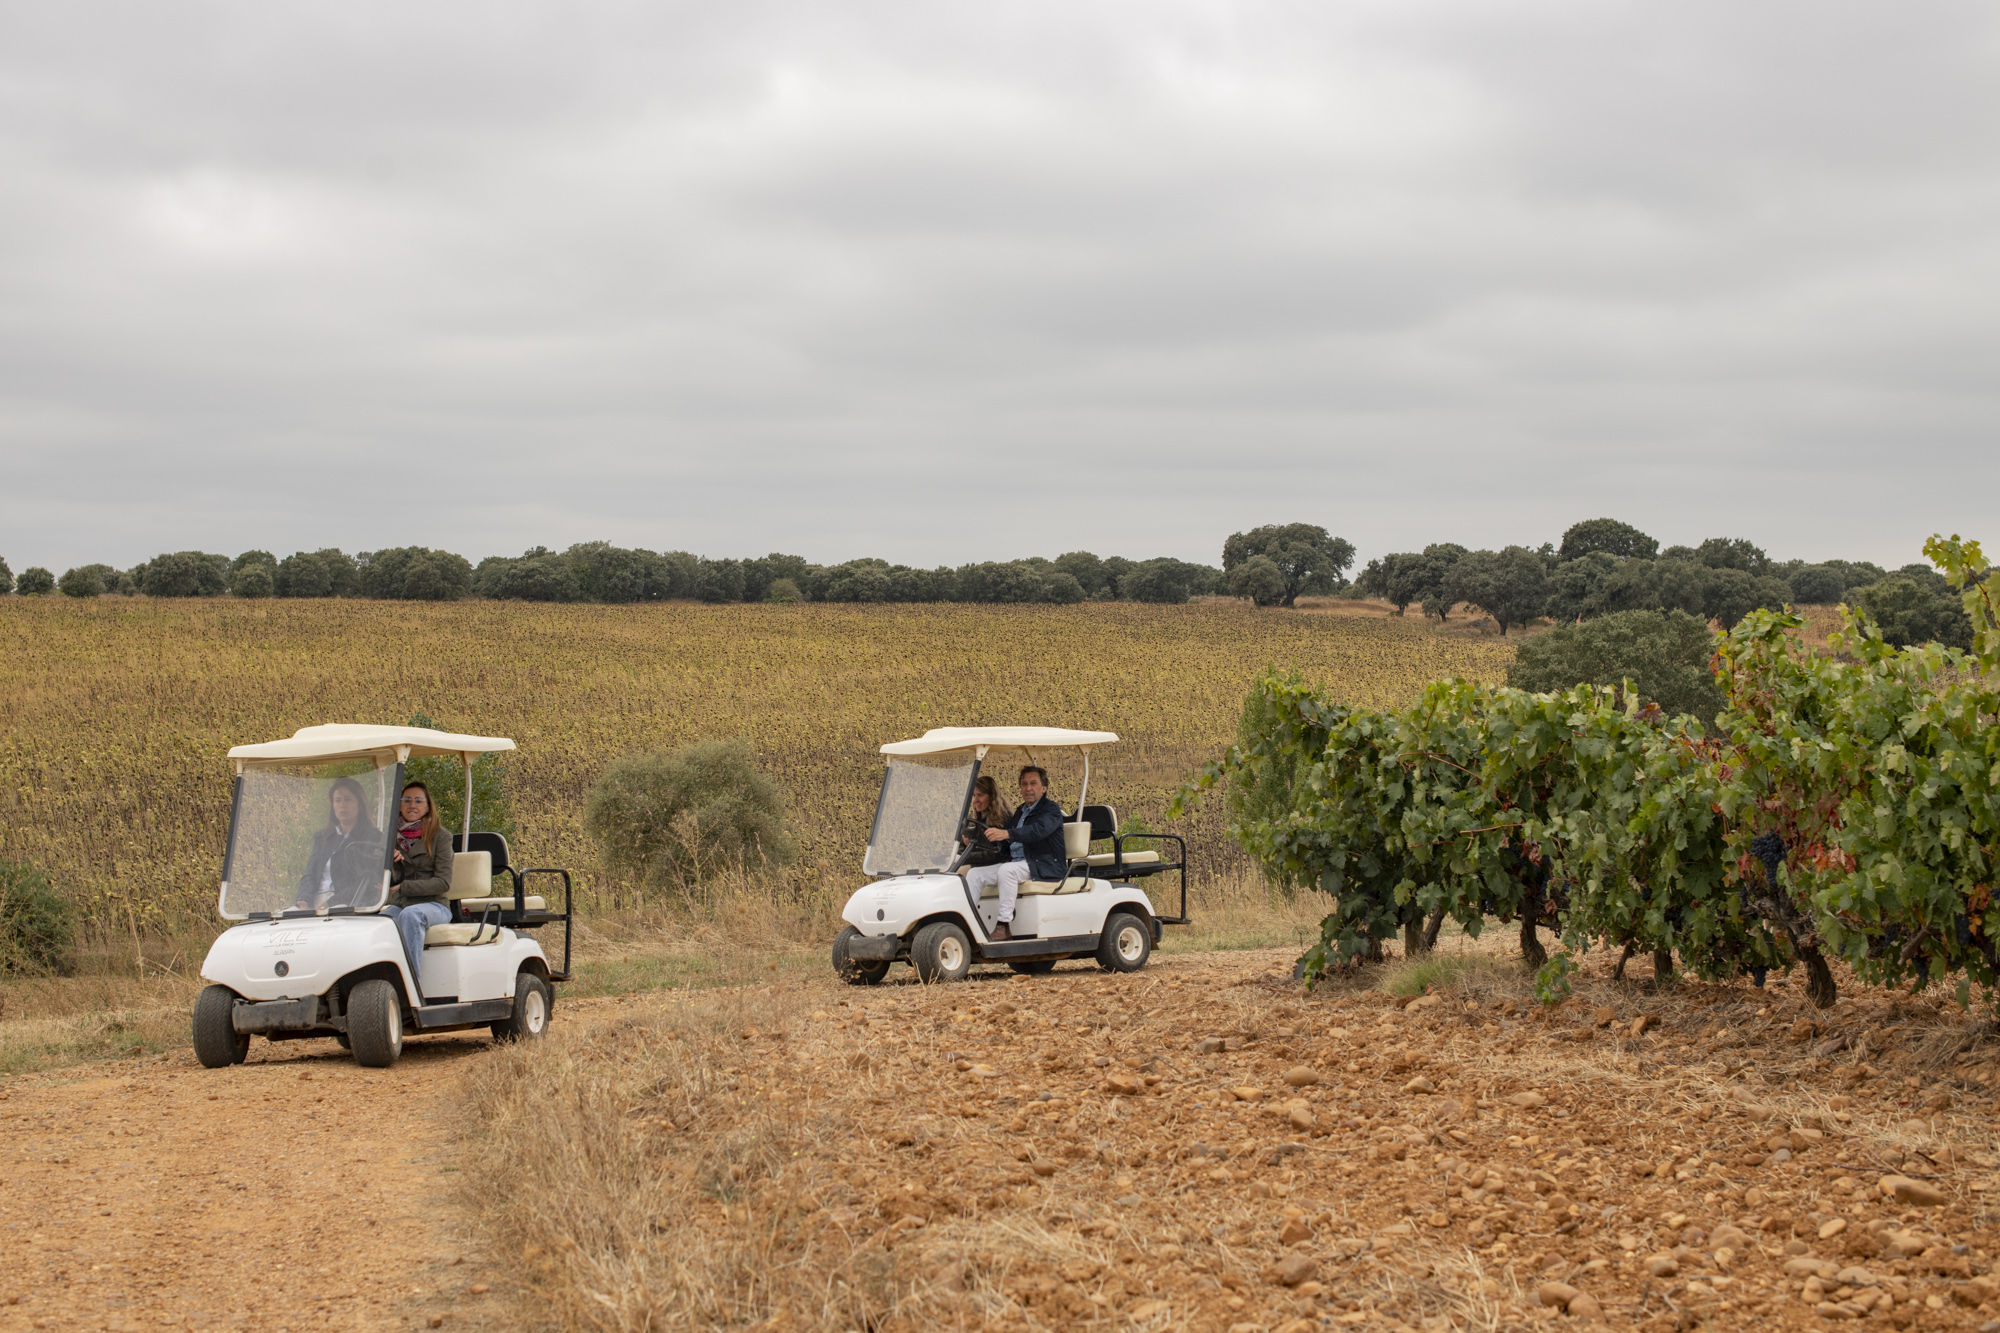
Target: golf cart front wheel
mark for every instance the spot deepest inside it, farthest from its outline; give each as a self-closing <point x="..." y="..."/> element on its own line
<point x="855" y="971"/>
<point x="530" y="1018"/>
<point x="1126" y="944"/>
<point x="216" y="1041"/>
<point x="375" y="1023"/>
<point x="941" y="952"/>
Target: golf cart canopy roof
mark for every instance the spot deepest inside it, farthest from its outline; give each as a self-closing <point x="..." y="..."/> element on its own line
<point x="944" y="740"/>
<point x="344" y="740"/>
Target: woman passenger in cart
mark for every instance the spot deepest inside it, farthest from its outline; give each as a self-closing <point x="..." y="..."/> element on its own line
<point x="422" y="876"/>
<point x="1034" y="840"/>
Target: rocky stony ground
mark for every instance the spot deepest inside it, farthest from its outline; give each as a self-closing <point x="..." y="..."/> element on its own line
<point x="1208" y="1145"/>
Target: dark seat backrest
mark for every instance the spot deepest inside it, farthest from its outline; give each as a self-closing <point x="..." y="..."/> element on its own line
<point x="484" y="842"/>
<point x="1103" y="821"/>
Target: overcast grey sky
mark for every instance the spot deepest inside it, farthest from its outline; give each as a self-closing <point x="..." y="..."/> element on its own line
<point x="943" y="282"/>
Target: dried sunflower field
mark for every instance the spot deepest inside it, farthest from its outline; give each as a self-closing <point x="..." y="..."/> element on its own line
<point x="116" y="713"/>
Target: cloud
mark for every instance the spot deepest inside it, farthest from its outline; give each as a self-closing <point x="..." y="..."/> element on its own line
<point x="948" y="282"/>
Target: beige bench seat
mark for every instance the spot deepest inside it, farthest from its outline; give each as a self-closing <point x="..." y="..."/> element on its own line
<point x="534" y="903"/>
<point x="464" y="932"/>
<point x="1131" y="858"/>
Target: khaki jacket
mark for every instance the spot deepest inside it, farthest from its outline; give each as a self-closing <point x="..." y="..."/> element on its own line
<point x="426" y="875"/>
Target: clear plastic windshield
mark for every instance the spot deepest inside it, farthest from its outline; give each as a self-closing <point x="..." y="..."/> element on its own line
<point x="309" y="837"/>
<point x="918" y="817"/>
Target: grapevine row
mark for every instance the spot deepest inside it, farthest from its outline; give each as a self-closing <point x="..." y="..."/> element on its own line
<point x="1845" y="804"/>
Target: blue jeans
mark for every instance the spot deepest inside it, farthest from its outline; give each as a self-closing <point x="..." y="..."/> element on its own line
<point x="411" y="923"/>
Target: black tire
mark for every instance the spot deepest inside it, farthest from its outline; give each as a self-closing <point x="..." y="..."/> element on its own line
<point x="1034" y="967"/>
<point x="1126" y="944"/>
<point x="375" y="1023"/>
<point x="941" y="952"/>
<point x="217" y="1043"/>
<point x="346" y="1043"/>
<point x="855" y="972"/>
<point x="530" y="1018"/>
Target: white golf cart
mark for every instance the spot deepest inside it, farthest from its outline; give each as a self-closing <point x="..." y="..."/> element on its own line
<point x="306" y="875"/>
<point x="921" y="909"/>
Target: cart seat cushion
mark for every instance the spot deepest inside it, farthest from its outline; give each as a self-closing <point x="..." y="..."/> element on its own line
<point x="470" y="932"/>
<point x="1131" y="858"/>
<point x="534" y="901"/>
<point x="471" y="875"/>
<point x="1074" y="884"/>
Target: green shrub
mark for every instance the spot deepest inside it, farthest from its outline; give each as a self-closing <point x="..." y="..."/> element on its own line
<point x="443" y="775"/>
<point x="783" y="590"/>
<point x="1817" y="585"/>
<point x="670" y="820"/>
<point x="327" y="573"/>
<point x="6" y="579"/>
<point x="1909" y="610"/>
<point x="1260" y="580"/>
<point x="254" y="574"/>
<point x="414" y="573"/>
<point x="37" y="925"/>
<point x="1665" y="655"/>
<point x="35" y="582"/>
<point x="81" y="582"/>
<point x="184" y="574"/>
<point x="254" y="581"/>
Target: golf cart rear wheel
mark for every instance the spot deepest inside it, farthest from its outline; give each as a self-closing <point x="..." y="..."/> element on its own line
<point x="530" y="1018"/>
<point x="1034" y="967"/>
<point x="216" y="1041"/>
<point x="1126" y="944"/>
<point x="855" y="971"/>
<point x="375" y="1023"/>
<point x="941" y="952"/>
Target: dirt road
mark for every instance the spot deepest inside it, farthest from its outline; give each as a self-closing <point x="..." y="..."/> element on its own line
<point x="1188" y="1133"/>
<point x="294" y="1191"/>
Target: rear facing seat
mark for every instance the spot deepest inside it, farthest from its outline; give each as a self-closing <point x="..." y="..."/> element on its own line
<point x="533" y="903"/>
<point x="471" y="874"/>
<point x="1131" y="858"/>
<point x="494" y="844"/>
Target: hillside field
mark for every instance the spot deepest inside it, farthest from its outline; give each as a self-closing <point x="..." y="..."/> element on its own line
<point x="116" y="713"/>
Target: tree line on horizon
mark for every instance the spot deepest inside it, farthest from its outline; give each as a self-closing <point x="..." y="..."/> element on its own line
<point x="1602" y="567"/>
<point x="604" y="573"/>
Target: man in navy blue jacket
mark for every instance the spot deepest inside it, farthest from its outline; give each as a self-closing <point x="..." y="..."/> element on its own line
<point x="1034" y="839"/>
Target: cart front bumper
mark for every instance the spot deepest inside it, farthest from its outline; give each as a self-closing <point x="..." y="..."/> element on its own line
<point x="874" y="948"/>
<point x="275" y="1015"/>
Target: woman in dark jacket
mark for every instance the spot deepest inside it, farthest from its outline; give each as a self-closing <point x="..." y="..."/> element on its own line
<point x="988" y="811"/>
<point x="346" y="860"/>
<point x="422" y="876"/>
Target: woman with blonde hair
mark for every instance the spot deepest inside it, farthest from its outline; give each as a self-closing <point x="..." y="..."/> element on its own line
<point x="421" y="875"/>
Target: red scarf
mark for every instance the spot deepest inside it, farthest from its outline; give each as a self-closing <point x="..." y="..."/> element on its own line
<point x="410" y="835"/>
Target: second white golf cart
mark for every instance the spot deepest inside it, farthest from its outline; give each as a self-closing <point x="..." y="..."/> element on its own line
<point x="920" y="909"/>
<point x="305" y="878"/>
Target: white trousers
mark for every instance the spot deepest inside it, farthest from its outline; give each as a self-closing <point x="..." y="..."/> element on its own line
<point x="1009" y="875"/>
